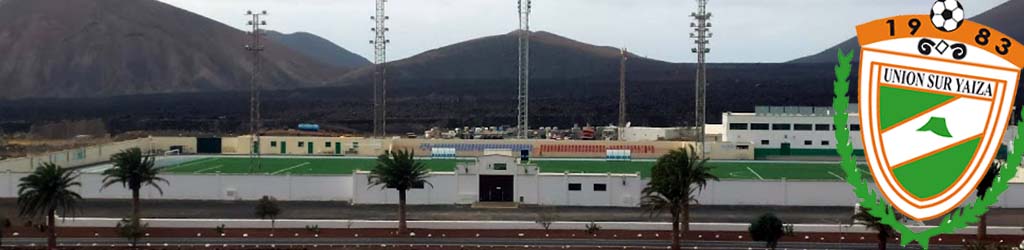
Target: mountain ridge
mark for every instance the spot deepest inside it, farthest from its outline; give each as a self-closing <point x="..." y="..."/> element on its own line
<point x="72" y="48"/>
<point x="320" y="49"/>
<point x="1000" y="17"/>
<point x="496" y="57"/>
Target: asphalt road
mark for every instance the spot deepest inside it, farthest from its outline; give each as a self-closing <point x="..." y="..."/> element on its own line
<point x="342" y="210"/>
<point x="461" y="242"/>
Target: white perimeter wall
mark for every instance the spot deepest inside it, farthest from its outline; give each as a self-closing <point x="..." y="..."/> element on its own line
<point x="449" y="188"/>
<point x="552" y="190"/>
<point x="212" y="187"/>
<point x="809" y="193"/>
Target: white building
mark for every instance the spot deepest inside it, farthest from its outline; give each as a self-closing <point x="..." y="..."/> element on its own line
<point x="652" y="133"/>
<point x="500" y="178"/>
<point x="790" y="130"/>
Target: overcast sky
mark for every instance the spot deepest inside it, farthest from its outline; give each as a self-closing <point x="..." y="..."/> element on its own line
<point x="744" y="30"/>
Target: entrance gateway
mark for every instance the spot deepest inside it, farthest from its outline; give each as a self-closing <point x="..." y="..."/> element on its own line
<point x="496" y="175"/>
<point x="497" y="188"/>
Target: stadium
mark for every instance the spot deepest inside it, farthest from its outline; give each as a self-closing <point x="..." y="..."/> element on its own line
<point x="775" y="162"/>
<point x="166" y="124"/>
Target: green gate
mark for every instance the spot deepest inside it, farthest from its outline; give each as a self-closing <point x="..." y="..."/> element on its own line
<point x="337" y="148"/>
<point x="309" y="147"/>
<point x="284" y="147"/>
<point x="786" y="148"/>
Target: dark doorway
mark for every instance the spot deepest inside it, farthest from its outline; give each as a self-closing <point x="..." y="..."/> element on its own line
<point x="786" y="149"/>
<point x="498" y="188"/>
<point x="208" y="145"/>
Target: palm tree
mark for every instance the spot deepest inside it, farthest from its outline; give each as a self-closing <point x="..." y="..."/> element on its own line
<point x="676" y="179"/>
<point x="863" y="217"/>
<point x="133" y="170"/>
<point x="46" y="192"/>
<point x="981" y="190"/>
<point x="398" y="170"/>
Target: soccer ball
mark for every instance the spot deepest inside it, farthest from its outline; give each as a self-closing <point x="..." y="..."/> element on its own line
<point x="947" y="15"/>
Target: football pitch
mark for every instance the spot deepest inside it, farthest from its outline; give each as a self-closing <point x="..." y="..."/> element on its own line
<point x="750" y="170"/>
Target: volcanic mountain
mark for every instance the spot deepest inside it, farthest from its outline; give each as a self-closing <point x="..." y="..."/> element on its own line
<point x="1005" y="18"/>
<point x="76" y="48"/>
<point x="496" y="58"/>
<point x="319" y="49"/>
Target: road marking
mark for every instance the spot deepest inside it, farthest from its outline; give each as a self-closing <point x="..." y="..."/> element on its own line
<point x="192" y="163"/>
<point x="837" y="176"/>
<point x="289" y="168"/>
<point x="755" y="173"/>
<point x="208" y="169"/>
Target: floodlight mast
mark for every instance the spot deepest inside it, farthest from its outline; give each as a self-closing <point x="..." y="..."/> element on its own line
<point x="523" y="115"/>
<point x="255" y="46"/>
<point x="380" y="43"/>
<point x="622" y="90"/>
<point x="702" y="36"/>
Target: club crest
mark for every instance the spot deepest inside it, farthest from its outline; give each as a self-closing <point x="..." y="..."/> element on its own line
<point x="935" y="95"/>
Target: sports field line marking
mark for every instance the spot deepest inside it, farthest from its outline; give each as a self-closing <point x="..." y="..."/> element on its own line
<point x="192" y="163"/>
<point x="207" y="169"/>
<point x="755" y="173"/>
<point x="289" y="168"/>
<point x="837" y="176"/>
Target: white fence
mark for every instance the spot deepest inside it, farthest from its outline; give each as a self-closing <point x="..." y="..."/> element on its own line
<point x="809" y="193"/>
<point x="94" y="154"/>
<point x="212" y="187"/>
<point x="446" y="190"/>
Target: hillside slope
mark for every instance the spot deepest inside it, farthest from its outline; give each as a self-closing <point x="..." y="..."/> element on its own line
<point x="1005" y="17"/>
<point x="319" y="49"/>
<point x="76" y="48"/>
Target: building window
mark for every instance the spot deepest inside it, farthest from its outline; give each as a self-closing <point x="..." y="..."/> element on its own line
<point x="355" y="144"/>
<point x="765" y="142"/>
<point x="575" y="187"/>
<point x="808" y="143"/>
<point x="742" y="147"/>
<point x="301" y="144"/>
<point x="854" y="127"/>
<point x="418" y="185"/>
<point x="822" y="127"/>
<point x="273" y="144"/>
<point x="737" y="126"/>
<point x="781" y="126"/>
<point x="327" y="144"/>
<point x="825" y="143"/>
<point x="600" y="187"/>
<point x="802" y="127"/>
<point x="758" y="126"/>
<point x="500" y="166"/>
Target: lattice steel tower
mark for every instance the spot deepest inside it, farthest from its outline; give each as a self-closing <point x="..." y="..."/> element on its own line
<point x="523" y="124"/>
<point x="702" y="36"/>
<point x="255" y="46"/>
<point x="380" y="45"/>
<point x="622" y="91"/>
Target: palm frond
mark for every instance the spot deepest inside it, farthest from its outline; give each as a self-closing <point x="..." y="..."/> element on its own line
<point x="399" y="170"/>
<point x="676" y="180"/>
<point x="48" y="189"/>
<point x="133" y="169"/>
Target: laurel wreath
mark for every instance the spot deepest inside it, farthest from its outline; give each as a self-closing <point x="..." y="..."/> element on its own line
<point x="956" y="219"/>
